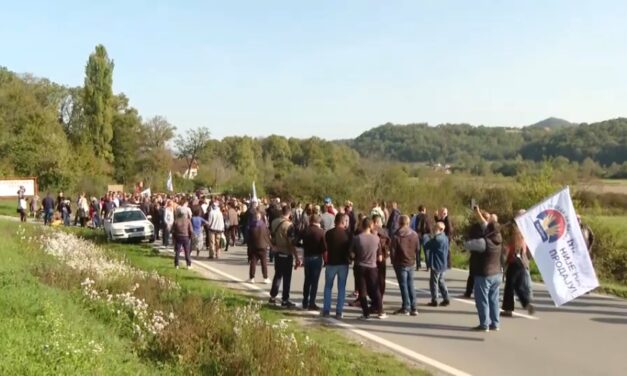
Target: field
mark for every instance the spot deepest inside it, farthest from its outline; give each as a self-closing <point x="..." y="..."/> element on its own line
<point x="606" y="186"/>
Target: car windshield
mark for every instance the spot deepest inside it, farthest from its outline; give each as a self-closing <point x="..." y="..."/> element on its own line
<point x="128" y="216"/>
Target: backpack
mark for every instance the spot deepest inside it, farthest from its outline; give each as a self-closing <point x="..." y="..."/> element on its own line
<point x="279" y="234"/>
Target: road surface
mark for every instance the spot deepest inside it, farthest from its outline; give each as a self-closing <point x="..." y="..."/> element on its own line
<point x="585" y="337"/>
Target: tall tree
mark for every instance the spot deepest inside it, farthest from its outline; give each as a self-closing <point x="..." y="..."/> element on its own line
<point x="127" y="138"/>
<point x="98" y="106"/>
<point x="191" y="144"/>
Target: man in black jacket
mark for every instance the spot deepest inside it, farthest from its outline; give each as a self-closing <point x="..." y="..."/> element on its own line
<point x="314" y="246"/>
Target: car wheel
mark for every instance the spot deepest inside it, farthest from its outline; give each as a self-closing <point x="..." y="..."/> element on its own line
<point x="152" y="239"/>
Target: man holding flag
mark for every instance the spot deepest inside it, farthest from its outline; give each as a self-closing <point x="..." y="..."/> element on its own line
<point x="168" y="183"/>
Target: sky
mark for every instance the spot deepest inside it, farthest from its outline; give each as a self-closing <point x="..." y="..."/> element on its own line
<point x="335" y="69"/>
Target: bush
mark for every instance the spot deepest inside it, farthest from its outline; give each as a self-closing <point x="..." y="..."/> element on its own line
<point x="609" y="252"/>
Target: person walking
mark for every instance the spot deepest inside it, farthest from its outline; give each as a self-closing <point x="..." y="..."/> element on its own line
<point x="442" y="216"/>
<point x="258" y="244"/>
<point x="48" y="207"/>
<point x="366" y="251"/>
<point x="182" y="233"/>
<point x="167" y="214"/>
<point x="233" y="217"/>
<point x="284" y="238"/>
<point x="516" y="275"/>
<point x="215" y="228"/>
<point x="338" y="241"/>
<point x="385" y="241"/>
<point x="314" y="246"/>
<point x="405" y="244"/>
<point x="438" y="248"/>
<point x="422" y="226"/>
<point x="83" y="209"/>
<point x="198" y="224"/>
<point x="22" y="206"/>
<point x="392" y="223"/>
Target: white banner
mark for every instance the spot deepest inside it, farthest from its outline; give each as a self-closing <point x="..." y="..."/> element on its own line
<point x="9" y="187"/>
<point x="146" y="193"/>
<point x="553" y="235"/>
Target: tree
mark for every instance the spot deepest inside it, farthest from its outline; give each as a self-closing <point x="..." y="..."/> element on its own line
<point x="97" y="97"/>
<point x="191" y="144"/>
<point x="157" y="132"/>
<point x="127" y="137"/>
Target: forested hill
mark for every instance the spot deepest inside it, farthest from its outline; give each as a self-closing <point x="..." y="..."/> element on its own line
<point x="604" y="142"/>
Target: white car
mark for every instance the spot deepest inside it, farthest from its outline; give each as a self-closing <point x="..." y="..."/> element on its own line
<point x="129" y="223"/>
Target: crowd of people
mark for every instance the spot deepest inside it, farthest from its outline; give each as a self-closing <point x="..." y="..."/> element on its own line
<point x="330" y="238"/>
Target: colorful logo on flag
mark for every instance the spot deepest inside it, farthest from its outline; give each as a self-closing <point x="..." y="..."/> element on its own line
<point x="551" y="225"/>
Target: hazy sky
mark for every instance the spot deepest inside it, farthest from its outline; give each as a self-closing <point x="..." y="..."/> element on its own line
<point x="335" y="68"/>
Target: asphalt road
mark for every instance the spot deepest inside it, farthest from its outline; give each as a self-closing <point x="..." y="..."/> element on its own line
<point x="585" y="337"/>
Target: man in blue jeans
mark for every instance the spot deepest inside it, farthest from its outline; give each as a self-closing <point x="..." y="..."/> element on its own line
<point x="438" y="248"/>
<point x="487" y="267"/>
<point x="314" y="246"/>
<point x="48" y="206"/>
<point x="338" y="241"/>
<point x="405" y="246"/>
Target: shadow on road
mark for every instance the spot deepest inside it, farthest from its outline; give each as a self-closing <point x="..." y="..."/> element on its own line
<point x="610" y="320"/>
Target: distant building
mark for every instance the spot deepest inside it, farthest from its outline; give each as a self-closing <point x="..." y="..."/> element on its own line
<point x="192" y="172"/>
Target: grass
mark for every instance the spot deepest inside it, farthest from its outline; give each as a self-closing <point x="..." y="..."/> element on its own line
<point x="45" y="331"/>
<point x="617" y="221"/>
<point x="344" y="356"/>
<point x="43" y="324"/>
<point x="8" y="207"/>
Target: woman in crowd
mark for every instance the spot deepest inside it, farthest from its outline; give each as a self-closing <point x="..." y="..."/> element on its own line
<point x="517" y="264"/>
<point x="198" y="223"/>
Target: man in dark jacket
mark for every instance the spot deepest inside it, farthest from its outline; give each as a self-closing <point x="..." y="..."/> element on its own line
<point x="258" y="244"/>
<point x="403" y="256"/>
<point x="314" y="246"/>
<point x="48" y="206"/>
<point x="338" y="241"/>
<point x="487" y="271"/>
<point x="384" y="239"/>
<point x="393" y="224"/>
<point x="422" y="226"/>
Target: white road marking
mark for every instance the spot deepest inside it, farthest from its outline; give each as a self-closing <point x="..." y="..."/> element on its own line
<point x="392" y="346"/>
<point x="471" y="302"/>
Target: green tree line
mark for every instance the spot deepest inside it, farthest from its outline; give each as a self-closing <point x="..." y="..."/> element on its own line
<point x="604" y="143"/>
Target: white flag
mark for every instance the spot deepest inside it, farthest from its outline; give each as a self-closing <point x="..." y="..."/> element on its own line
<point x="552" y="233"/>
<point x="254" y="192"/>
<point x="146" y="193"/>
<point x="168" y="183"/>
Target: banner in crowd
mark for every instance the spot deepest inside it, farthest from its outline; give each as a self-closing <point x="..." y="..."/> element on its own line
<point x="553" y="235"/>
<point x="254" y="193"/>
<point x="168" y="183"/>
<point x="146" y="193"/>
<point x="10" y="187"/>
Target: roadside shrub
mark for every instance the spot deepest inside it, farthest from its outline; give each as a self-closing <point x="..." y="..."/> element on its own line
<point x="169" y="326"/>
<point x="609" y="252"/>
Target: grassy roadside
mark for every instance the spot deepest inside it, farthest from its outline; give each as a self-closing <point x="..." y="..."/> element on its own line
<point x="345" y="356"/>
<point x="45" y="331"/>
<point x="53" y="329"/>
